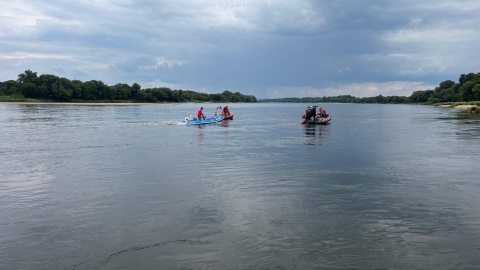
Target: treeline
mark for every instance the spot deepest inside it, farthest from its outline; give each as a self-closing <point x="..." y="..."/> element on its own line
<point x="466" y="89"/>
<point x="54" y="88"/>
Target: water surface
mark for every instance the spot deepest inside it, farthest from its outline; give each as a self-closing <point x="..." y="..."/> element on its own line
<point x="126" y="187"/>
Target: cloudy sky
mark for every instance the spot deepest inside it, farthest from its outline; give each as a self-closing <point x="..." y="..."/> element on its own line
<point x="266" y="48"/>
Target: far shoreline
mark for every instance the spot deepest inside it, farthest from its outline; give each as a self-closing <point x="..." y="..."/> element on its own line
<point x="463" y="106"/>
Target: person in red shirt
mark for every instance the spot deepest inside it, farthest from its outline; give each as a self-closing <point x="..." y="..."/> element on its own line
<point x="225" y="111"/>
<point x="200" y="114"/>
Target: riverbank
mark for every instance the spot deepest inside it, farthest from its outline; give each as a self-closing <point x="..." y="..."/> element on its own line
<point x="472" y="107"/>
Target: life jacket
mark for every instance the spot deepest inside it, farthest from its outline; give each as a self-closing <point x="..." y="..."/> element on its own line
<point x="308" y="113"/>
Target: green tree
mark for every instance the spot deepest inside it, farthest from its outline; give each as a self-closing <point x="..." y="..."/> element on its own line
<point x="122" y="91"/>
<point x="28" y="89"/>
<point x="465" y="91"/>
<point x="465" y="78"/>
<point x="101" y="90"/>
<point x="135" y="90"/>
<point x="476" y="91"/>
<point x="11" y="87"/>
<point x="77" y="89"/>
<point x="52" y="87"/>
<point x="445" y="85"/>
<point x="89" y="90"/>
<point x="27" y="77"/>
<point x="217" y="97"/>
<point x="421" y="96"/>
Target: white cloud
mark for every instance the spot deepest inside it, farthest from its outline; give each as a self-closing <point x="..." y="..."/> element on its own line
<point x="431" y="37"/>
<point x="160" y="62"/>
<point x="18" y="18"/>
<point x="427" y="51"/>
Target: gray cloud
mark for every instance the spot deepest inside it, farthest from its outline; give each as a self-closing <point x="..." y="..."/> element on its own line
<point x="393" y="47"/>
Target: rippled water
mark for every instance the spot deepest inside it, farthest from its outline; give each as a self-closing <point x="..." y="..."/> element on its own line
<point x="125" y="187"/>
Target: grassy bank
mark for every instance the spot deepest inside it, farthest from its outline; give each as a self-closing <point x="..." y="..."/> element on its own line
<point x="17" y="99"/>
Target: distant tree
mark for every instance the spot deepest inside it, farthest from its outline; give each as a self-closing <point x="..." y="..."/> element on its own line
<point x="28" y="89"/>
<point x="135" y="90"/>
<point x="89" y="90"/>
<point x="465" y="78"/>
<point x="122" y="91"/>
<point x="446" y="95"/>
<point x="465" y="91"/>
<point x="445" y="85"/>
<point x="141" y="96"/>
<point x="27" y="77"/>
<point x="476" y="91"/>
<point x="101" y="90"/>
<point x="421" y="96"/>
<point x="52" y="87"/>
<point x="77" y="92"/>
<point x="11" y="87"/>
<point x="217" y="97"/>
<point x="162" y="95"/>
<point x="433" y="100"/>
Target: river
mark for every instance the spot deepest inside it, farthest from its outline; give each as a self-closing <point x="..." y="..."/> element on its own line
<point x="127" y="187"/>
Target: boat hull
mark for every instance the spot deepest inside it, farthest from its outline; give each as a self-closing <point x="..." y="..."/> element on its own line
<point x="196" y="121"/>
<point x="317" y="120"/>
<point x="228" y="116"/>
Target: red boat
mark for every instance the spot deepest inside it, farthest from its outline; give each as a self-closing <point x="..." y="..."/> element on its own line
<point x="311" y="116"/>
<point x="227" y="114"/>
<point x="317" y="120"/>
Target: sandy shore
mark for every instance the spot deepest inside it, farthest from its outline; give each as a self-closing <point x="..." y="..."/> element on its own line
<point x="89" y="103"/>
<point x="465" y="107"/>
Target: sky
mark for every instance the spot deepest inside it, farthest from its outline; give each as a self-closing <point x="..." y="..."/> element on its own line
<point x="265" y="48"/>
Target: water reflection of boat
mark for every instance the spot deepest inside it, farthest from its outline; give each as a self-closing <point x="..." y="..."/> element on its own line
<point x="313" y="134"/>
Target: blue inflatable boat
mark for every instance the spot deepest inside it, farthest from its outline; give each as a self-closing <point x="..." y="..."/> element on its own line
<point x="195" y="121"/>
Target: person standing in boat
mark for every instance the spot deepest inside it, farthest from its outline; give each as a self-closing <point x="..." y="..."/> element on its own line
<point x="200" y="114"/>
<point x="225" y="111"/>
<point x="308" y="114"/>
<point x="311" y="112"/>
